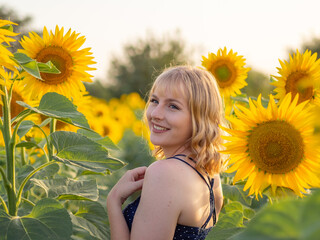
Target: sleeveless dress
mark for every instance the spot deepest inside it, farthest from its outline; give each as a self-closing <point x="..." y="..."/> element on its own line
<point x="181" y="232"/>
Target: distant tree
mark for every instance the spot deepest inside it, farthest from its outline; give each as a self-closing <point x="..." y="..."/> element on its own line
<point x="141" y="60"/>
<point x="313" y="45"/>
<point x="22" y="27"/>
<point x="257" y="83"/>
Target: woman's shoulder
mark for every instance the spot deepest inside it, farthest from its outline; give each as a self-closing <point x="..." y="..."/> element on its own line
<point x="165" y="169"/>
<point x="171" y="174"/>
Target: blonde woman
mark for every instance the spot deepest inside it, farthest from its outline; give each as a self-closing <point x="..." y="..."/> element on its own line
<point x="181" y="193"/>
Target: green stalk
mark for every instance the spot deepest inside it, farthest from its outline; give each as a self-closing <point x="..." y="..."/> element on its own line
<point x="9" y="146"/>
<point x="27" y="178"/>
<point x="52" y="130"/>
<point x="47" y="140"/>
<point x="6" y="186"/>
<point x="28" y="201"/>
<point x="4" y="205"/>
<point x="23" y="157"/>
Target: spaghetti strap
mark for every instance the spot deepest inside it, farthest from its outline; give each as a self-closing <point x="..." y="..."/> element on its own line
<point x="210" y="186"/>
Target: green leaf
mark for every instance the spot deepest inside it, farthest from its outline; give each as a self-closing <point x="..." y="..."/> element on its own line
<point x="57" y="106"/>
<point x="24" y="128"/>
<point x="22" y="58"/>
<point x="91" y="219"/>
<point x="66" y="188"/>
<point x="236" y="193"/>
<point x="78" y="150"/>
<point x="28" y="145"/>
<point x="48" y="67"/>
<point x="48" y="171"/>
<point x="48" y="220"/>
<point x="289" y="219"/>
<point x="104" y="141"/>
<point x="233" y="206"/>
<point x="227" y="225"/>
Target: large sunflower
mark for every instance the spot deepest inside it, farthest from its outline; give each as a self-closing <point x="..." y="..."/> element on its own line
<point x="6" y="37"/>
<point x="300" y="75"/>
<point x="228" y="69"/>
<point x="274" y="146"/>
<point x="63" y="51"/>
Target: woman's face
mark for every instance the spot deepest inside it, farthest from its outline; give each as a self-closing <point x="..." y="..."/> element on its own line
<point x="169" y="121"/>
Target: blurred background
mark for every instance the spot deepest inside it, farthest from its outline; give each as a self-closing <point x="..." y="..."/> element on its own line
<point x="132" y="40"/>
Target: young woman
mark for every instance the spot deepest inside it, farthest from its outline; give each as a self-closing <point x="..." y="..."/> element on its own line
<point x="181" y="194"/>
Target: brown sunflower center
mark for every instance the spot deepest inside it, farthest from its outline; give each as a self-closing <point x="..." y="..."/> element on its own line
<point x="14" y="107"/>
<point x="61" y="59"/>
<point x="224" y="73"/>
<point x="106" y="130"/>
<point x="296" y="83"/>
<point x="276" y="147"/>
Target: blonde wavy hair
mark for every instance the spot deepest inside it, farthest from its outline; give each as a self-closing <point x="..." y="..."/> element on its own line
<point x="200" y="89"/>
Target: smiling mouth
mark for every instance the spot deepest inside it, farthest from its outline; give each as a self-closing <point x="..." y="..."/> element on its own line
<point x="160" y="129"/>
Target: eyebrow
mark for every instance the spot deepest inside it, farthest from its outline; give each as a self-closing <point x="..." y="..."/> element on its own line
<point x="169" y="99"/>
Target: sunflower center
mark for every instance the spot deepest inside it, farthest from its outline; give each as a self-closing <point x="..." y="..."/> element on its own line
<point x="61" y="59"/>
<point x="224" y="73"/>
<point x="106" y="130"/>
<point x="276" y="147"/>
<point x="14" y="107"/>
<point x="296" y="83"/>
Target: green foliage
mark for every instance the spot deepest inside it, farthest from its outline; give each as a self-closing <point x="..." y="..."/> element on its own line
<point x="56" y="106"/>
<point x="80" y="151"/>
<point x="288" y="219"/>
<point x="48" y="218"/>
<point x="69" y="189"/>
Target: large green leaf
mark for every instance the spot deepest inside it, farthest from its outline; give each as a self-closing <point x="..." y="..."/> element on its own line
<point x="54" y="105"/>
<point x="288" y="219"/>
<point x="227" y="225"/>
<point x="48" y="220"/>
<point x="90" y="222"/>
<point x="78" y="150"/>
<point x="66" y="188"/>
<point x="104" y="141"/>
<point x="236" y="193"/>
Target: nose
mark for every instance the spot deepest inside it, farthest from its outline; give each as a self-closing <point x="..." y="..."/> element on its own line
<point x="157" y="112"/>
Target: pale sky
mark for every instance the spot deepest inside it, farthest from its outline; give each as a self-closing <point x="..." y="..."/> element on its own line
<point x="261" y="31"/>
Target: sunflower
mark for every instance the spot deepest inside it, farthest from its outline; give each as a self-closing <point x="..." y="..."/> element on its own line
<point x="273" y="146"/>
<point x="63" y="51"/>
<point x="17" y="94"/>
<point x="6" y="37"/>
<point x="300" y="75"/>
<point x="228" y="70"/>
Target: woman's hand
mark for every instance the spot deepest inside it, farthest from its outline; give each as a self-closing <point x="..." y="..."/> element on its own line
<point x="129" y="183"/>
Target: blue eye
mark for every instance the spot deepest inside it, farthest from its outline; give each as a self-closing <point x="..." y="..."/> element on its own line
<point x="174" y="107"/>
<point x="152" y="100"/>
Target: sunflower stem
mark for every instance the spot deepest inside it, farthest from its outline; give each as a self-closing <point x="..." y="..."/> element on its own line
<point x="52" y="130"/>
<point x="47" y="140"/>
<point x="19" y="195"/>
<point x="23" y="157"/>
<point x="10" y="154"/>
<point x="4" y="205"/>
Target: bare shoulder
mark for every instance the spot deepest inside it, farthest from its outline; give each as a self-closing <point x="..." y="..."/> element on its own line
<point x="163" y="172"/>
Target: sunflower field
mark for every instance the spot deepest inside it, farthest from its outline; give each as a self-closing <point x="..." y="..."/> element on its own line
<point x="59" y="146"/>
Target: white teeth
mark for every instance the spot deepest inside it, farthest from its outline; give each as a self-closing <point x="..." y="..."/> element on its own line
<point x="159" y="128"/>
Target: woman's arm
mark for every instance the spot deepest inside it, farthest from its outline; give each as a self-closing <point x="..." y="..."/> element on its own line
<point x="130" y="182"/>
<point x="160" y="204"/>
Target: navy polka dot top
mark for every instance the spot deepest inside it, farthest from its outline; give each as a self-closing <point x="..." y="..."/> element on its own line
<point x="181" y="232"/>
